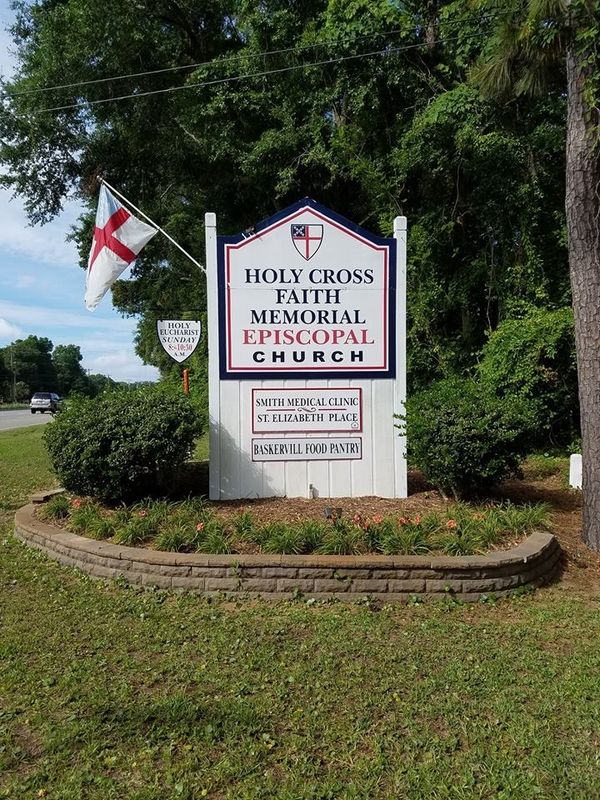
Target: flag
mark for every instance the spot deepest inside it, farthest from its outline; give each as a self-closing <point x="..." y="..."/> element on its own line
<point x="118" y="238"/>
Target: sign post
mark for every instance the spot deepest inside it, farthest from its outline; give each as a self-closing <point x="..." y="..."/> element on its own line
<point x="307" y="357"/>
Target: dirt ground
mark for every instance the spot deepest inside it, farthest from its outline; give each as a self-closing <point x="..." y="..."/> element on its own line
<point x="581" y="565"/>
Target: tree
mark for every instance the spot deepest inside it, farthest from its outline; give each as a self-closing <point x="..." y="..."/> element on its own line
<point x="6" y="381"/>
<point x="70" y="375"/>
<point x="32" y="363"/>
<point x="98" y="383"/>
<point x="371" y="137"/>
<point x="522" y="58"/>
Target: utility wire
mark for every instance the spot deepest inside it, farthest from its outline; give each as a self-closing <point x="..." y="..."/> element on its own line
<point x="225" y="61"/>
<point x="246" y="76"/>
<point x="198" y="65"/>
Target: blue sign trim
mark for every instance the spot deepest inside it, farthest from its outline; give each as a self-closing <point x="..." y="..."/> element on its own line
<point x="299" y="374"/>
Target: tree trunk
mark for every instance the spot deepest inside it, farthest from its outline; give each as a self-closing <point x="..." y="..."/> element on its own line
<point x="583" y="227"/>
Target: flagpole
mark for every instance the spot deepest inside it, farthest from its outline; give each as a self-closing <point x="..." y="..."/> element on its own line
<point x="158" y="228"/>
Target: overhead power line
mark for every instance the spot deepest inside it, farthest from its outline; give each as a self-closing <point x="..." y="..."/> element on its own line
<point x="229" y="60"/>
<point x="198" y="65"/>
<point x="246" y="76"/>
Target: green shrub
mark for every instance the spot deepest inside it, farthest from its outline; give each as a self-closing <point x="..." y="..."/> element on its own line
<point x="84" y="516"/>
<point x="343" y="539"/>
<point x="405" y="540"/>
<point x="177" y="538"/>
<point x="56" y="508"/>
<point x="282" y="538"/>
<point x="465" y="439"/>
<point x="137" y="531"/>
<point x="534" y="358"/>
<point x="121" y="444"/>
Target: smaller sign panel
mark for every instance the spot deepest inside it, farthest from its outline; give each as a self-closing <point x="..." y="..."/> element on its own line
<point x="311" y="410"/>
<point x="308" y="448"/>
<point x="179" y="337"/>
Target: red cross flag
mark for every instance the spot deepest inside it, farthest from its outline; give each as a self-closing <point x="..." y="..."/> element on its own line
<point x="118" y="238"/>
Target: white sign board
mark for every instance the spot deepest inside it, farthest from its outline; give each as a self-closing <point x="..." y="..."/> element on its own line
<point x="179" y="337"/>
<point x="296" y="448"/>
<point x="307" y="296"/>
<point x="307" y="361"/>
<point x="315" y="410"/>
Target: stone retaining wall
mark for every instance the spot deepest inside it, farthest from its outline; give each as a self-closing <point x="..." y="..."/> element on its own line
<point x="392" y="578"/>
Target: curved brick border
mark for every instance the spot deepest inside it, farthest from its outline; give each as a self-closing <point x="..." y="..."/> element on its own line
<point x="392" y="578"/>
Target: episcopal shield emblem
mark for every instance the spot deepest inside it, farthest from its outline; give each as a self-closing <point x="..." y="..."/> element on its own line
<point x="307" y="239"/>
<point x="179" y="337"/>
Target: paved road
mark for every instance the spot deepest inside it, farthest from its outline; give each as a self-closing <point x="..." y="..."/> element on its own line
<point x="22" y="418"/>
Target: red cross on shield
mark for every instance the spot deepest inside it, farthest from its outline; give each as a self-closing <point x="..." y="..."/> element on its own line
<point x="306" y="238"/>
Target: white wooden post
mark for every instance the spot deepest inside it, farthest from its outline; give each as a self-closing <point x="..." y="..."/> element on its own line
<point x="214" y="383"/>
<point x="400" y="471"/>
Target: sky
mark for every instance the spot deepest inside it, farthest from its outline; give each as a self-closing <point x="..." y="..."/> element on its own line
<point x="42" y="285"/>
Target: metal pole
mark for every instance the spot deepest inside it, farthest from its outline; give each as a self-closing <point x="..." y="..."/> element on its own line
<point x="146" y="217"/>
<point x="14" y="374"/>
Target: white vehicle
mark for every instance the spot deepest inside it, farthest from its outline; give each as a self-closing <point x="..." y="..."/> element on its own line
<point x="44" y="401"/>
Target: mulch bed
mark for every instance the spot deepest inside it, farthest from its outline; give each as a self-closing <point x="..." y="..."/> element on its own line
<point x="582" y="565"/>
<point x="293" y="509"/>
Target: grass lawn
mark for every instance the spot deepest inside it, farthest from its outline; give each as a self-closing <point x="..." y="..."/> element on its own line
<point x="109" y="692"/>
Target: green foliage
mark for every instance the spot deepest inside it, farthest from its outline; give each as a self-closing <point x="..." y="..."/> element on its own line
<point x="70" y="375"/>
<point x="137" y="531"/>
<point x="244" y="527"/>
<point x="533" y="357"/>
<point x="176" y="537"/>
<point x="463" y="438"/>
<point x="406" y="540"/>
<point x="84" y="516"/>
<point x="191" y="526"/>
<point x="121" y="444"/>
<point x="281" y="538"/>
<point x="56" y="508"/>
<point x="214" y="538"/>
<point x="343" y="538"/>
<point x="30" y="361"/>
<point x="101" y="527"/>
<point x="481" y="183"/>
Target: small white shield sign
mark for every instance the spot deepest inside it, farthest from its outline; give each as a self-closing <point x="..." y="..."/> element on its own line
<point x="179" y="337"/>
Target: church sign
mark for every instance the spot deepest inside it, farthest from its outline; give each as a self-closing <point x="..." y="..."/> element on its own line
<point x="307" y="361"/>
<point x="306" y="296"/>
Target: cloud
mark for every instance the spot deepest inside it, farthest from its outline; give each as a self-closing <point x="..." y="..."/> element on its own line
<point x="25" y="281"/>
<point x="43" y="243"/>
<point x="43" y="316"/>
<point x="9" y="331"/>
<point x="121" y="365"/>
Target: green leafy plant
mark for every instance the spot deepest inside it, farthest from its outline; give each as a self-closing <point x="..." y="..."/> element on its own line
<point x="533" y="357"/>
<point x="244" y="527"/>
<point x="281" y="538"/>
<point x="138" y="530"/>
<point x="102" y="527"/>
<point x="313" y="533"/>
<point x="56" y="508"/>
<point x="406" y="540"/>
<point x="465" y="439"/>
<point x="176" y="537"/>
<point x="343" y="538"/>
<point x="213" y="538"/>
<point x="83" y="515"/>
<point x="122" y="444"/>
